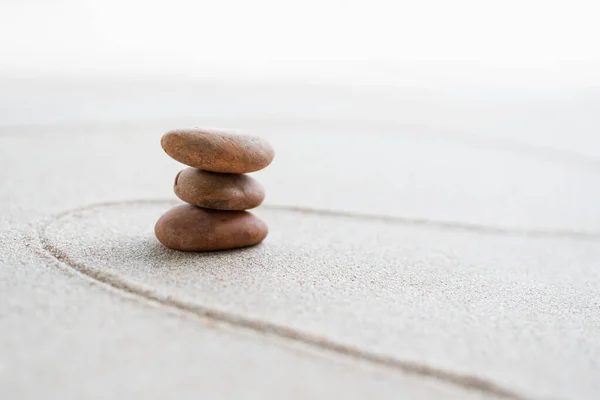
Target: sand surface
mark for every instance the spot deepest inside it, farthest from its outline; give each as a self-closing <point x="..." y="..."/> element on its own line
<point x="438" y="260"/>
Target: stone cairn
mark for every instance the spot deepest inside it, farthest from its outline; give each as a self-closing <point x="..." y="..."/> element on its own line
<point x="217" y="190"/>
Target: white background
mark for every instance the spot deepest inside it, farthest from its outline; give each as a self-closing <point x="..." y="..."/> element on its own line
<point x="522" y="43"/>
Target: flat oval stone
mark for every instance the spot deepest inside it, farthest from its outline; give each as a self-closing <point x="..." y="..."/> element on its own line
<point x="190" y="228"/>
<point x="218" y="191"/>
<point x="218" y="151"/>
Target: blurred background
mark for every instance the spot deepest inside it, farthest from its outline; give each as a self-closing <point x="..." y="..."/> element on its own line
<point x="533" y="46"/>
<point x="525" y="71"/>
<point x="499" y="67"/>
<point x="532" y="43"/>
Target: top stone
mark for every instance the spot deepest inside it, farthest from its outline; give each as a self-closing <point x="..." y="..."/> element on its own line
<point x="218" y="151"/>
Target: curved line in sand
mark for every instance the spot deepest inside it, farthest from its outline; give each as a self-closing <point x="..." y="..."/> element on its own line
<point x="446" y="225"/>
<point x="427" y="223"/>
<point x="146" y="293"/>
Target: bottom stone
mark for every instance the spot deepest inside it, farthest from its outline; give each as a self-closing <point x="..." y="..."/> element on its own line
<point x="190" y="228"/>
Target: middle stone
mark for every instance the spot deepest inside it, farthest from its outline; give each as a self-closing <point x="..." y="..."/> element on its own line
<point x="218" y="191"/>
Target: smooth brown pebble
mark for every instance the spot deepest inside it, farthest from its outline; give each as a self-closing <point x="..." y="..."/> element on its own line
<point x="190" y="228"/>
<point x="218" y="151"/>
<point x="218" y="191"/>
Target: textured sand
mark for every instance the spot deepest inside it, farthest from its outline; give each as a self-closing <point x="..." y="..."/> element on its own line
<point x="453" y="266"/>
<point x="382" y="287"/>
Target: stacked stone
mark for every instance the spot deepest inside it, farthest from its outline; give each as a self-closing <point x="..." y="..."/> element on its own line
<point x="217" y="190"/>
